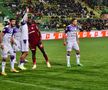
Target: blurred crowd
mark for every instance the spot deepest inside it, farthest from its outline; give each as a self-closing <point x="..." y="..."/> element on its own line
<point x="85" y="24"/>
<point x="58" y="12"/>
<point x="93" y="24"/>
<point x="96" y="3"/>
<point x="67" y="8"/>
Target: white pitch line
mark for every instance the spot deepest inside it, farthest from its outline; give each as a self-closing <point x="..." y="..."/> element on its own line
<point x="28" y="84"/>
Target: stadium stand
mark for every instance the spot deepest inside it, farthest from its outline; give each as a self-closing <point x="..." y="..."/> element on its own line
<point x="56" y="14"/>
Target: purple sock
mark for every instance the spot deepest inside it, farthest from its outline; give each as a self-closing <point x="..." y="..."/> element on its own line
<point x="22" y="61"/>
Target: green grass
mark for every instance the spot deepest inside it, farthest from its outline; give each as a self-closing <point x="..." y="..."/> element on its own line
<point x="92" y="76"/>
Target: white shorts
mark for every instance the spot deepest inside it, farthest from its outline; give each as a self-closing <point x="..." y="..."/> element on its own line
<point x="17" y="46"/>
<point x="72" y="45"/>
<point x="8" y="50"/>
<point x="24" y="46"/>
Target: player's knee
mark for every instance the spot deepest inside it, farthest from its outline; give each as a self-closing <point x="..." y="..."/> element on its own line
<point x="78" y="53"/>
<point x="33" y="51"/>
<point x="43" y="52"/>
<point x="12" y="57"/>
<point x="4" y="59"/>
<point x="68" y="53"/>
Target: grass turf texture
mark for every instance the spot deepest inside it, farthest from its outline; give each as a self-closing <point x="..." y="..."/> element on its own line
<point x="92" y="76"/>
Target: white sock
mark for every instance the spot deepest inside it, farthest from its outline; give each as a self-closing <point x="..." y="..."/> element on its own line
<point x="22" y="64"/>
<point x="12" y="64"/>
<point x="3" y="66"/>
<point x="14" y="56"/>
<point x="78" y="59"/>
<point x="68" y="60"/>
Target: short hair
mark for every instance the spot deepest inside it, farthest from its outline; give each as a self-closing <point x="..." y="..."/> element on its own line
<point x="12" y="19"/>
<point x="73" y="19"/>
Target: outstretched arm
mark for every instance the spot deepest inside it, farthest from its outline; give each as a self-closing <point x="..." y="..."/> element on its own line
<point x="25" y="17"/>
<point x="77" y="38"/>
<point x="64" y="37"/>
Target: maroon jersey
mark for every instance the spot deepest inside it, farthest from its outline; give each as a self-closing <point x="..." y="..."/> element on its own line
<point x="34" y="34"/>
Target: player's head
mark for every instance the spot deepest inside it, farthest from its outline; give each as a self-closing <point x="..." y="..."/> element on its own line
<point x="17" y="24"/>
<point x="30" y="18"/>
<point x="74" y="22"/>
<point x="12" y="22"/>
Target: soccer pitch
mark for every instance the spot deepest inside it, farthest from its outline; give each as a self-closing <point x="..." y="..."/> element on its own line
<point x="92" y="76"/>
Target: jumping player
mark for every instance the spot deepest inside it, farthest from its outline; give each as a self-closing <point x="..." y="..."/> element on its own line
<point x="17" y="39"/>
<point x="35" y="41"/>
<point x="24" y="40"/>
<point x="72" y="42"/>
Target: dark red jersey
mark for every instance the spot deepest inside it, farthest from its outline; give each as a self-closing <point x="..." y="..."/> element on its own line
<point x="34" y="34"/>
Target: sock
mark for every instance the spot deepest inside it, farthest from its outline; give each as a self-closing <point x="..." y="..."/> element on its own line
<point x="46" y="57"/>
<point x="68" y="60"/>
<point x="44" y="54"/>
<point x="3" y="66"/>
<point x="34" y="61"/>
<point x="33" y="56"/>
<point x="78" y="59"/>
<point x="14" y="56"/>
<point x="22" y="63"/>
<point x="12" y="62"/>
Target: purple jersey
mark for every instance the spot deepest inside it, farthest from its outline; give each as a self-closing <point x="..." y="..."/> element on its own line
<point x="8" y="33"/>
<point x="17" y="33"/>
<point x="71" y="33"/>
